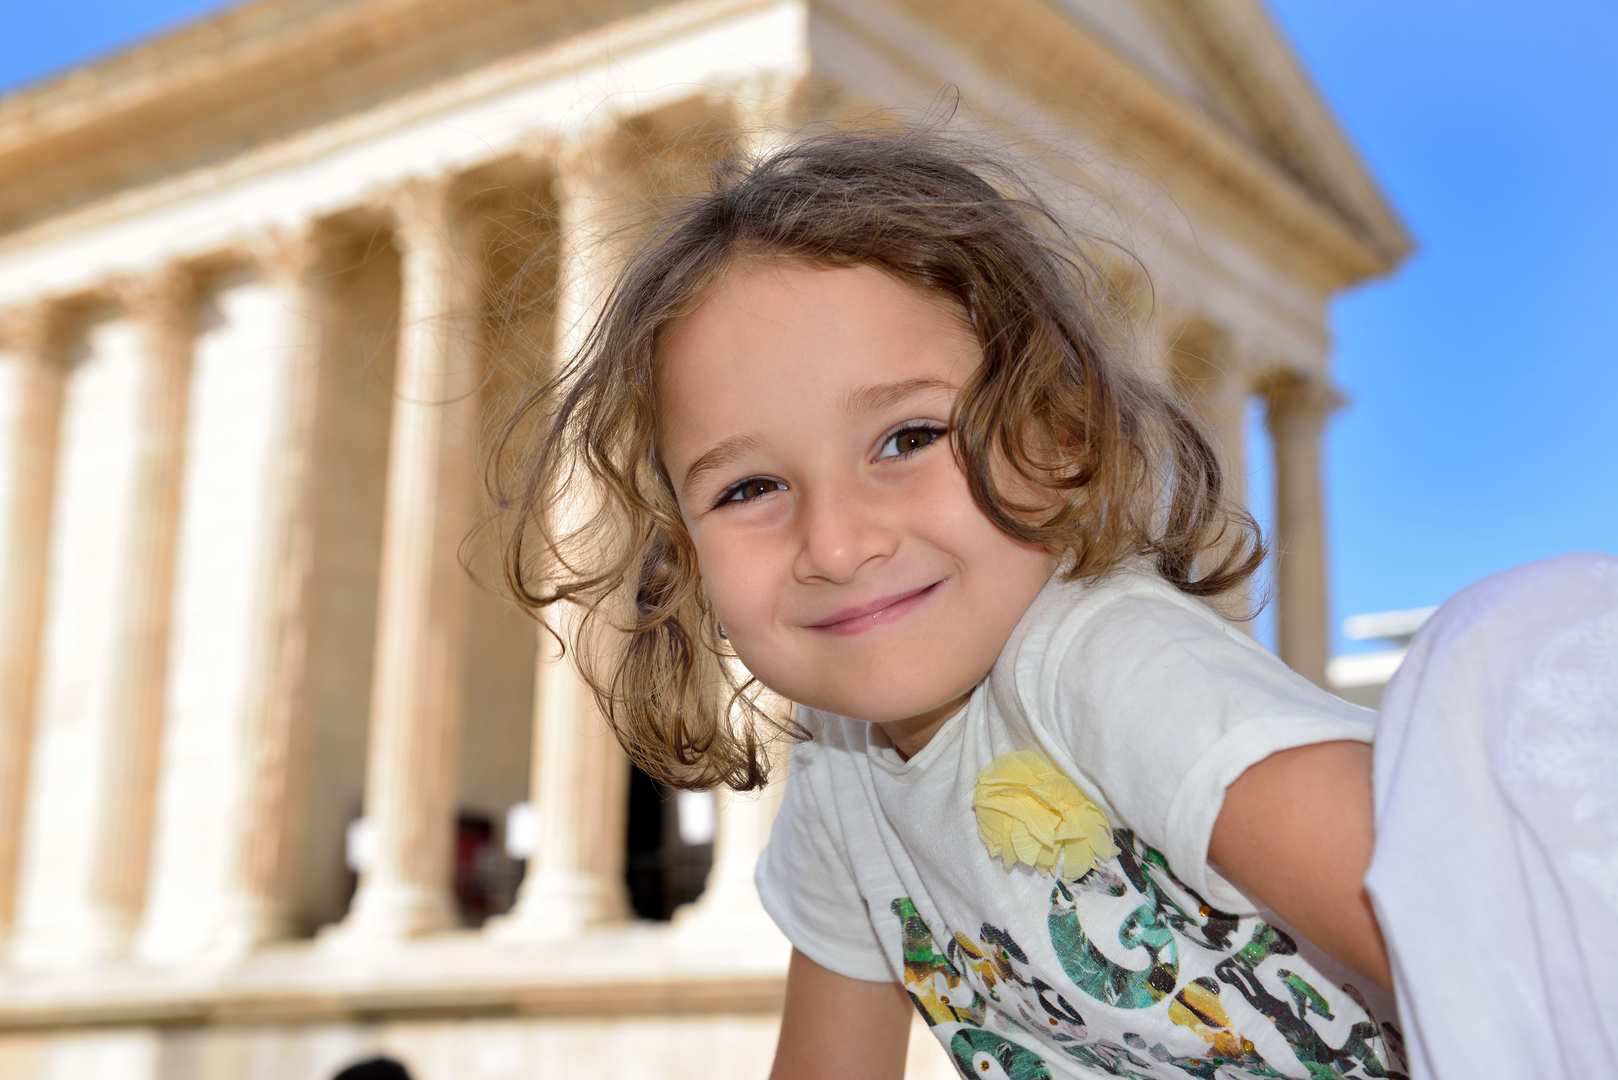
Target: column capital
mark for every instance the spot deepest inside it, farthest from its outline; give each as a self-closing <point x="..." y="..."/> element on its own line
<point x="163" y="296"/>
<point x="36" y="329"/>
<point x="592" y="167"/>
<point x="1206" y="358"/>
<point x="425" y="210"/>
<point x="1299" y="406"/>
<point x="289" y="252"/>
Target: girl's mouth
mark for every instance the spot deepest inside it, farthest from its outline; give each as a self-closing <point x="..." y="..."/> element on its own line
<point x="857" y="620"/>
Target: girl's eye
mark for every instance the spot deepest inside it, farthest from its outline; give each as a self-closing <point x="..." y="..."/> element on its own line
<point x="748" y="490"/>
<point x="908" y="440"/>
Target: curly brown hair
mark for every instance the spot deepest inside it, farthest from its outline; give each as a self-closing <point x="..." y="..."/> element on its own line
<point x="591" y="523"/>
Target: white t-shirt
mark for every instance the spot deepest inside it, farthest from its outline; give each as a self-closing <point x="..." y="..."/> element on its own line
<point x="1152" y="706"/>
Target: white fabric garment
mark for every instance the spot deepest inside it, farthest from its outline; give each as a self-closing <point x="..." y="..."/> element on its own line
<point x="1495" y="874"/>
<point x="1149" y="965"/>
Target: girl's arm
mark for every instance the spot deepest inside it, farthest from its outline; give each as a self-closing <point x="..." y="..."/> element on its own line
<point x="1296" y="831"/>
<point x="834" y="1027"/>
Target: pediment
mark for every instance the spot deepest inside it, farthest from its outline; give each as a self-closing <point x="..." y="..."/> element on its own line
<point x="1229" y="59"/>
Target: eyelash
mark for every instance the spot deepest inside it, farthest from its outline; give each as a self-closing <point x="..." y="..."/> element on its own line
<point x="937" y="431"/>
<point x="731" y="495"/>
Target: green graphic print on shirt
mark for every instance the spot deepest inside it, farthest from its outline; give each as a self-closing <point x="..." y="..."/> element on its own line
<point x="997" y="1017"/>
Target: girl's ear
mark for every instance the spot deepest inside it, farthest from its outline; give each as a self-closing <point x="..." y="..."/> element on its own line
<point x="1078" y="452"/>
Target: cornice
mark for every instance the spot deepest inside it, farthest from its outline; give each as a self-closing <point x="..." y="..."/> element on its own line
<point x="286" y="37"/>
<point x="273" y="68"/>
<point x="250" y="75"/>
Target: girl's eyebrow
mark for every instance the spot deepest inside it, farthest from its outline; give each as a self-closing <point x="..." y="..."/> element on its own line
<point x="865" y="399"/>
<point x="883" y="395"/>
<point x="718" y="457"/>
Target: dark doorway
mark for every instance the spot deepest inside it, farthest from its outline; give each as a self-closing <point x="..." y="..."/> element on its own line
<point x="662" y="870"/>
<point x="486" y="879"/>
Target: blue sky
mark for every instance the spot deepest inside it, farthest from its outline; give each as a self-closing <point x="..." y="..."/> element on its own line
<point x="1483" y="376"/>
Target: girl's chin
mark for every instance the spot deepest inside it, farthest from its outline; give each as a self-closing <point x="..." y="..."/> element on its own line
<point x="898" y="714"/>
<point x="873" y="700"/>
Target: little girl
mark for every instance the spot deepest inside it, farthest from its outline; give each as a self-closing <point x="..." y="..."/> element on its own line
<point x="866" y="423"/>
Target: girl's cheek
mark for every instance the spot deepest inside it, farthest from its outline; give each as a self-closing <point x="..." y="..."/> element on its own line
<point x="738" y="585"/>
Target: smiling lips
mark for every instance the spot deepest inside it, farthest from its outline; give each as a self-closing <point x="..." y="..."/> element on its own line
<point x="857" y="620"/>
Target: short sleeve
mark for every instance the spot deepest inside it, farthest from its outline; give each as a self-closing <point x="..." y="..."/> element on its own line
<point x="806" y="883"/>
<point x="1161" y="706"/>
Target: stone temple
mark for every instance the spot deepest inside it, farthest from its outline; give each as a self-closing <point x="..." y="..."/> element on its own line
<point x="281" y="788"/>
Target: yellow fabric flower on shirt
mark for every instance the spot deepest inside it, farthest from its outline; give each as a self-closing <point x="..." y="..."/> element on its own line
<point x="1029" y="812"/>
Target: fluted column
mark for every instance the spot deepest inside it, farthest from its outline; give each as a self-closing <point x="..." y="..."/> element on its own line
<point x="1203" y="366"/>
<point x="432" y="475"/>
<point x="28" y="339"/>
<point x="743" y="830"/>
<point x="162" y="307"/>
<point x="729" y="904"/>
<point x="267" y="822"/>
<point x="580" y="790"/>
<point x="1219" y="387"/>
<point x="1298" y="410"/>
<point x="579" y="776"/>
<point x="1222" y="403"/>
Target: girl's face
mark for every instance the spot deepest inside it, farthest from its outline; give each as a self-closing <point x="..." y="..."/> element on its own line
<point x="804" y="419"/>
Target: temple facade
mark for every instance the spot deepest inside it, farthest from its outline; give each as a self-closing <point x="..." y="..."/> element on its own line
<point x="283" y="785"/>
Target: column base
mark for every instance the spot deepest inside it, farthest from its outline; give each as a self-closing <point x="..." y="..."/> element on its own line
<point x="393" y="912"/>
<point x="247" y="925"/>
<point x="555" y="905"/>
<point x="91" y="935"/>
<point x="728" y="908"/>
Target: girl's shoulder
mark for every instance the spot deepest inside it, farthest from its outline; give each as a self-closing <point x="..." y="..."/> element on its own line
<point x="1132" y="603"/>
<point x="1132" y="641"/>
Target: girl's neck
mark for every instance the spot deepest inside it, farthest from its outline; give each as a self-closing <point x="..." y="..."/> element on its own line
<point x="911" y="734"/>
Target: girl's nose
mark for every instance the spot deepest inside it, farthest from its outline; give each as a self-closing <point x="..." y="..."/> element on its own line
<point x="841" y="532"/>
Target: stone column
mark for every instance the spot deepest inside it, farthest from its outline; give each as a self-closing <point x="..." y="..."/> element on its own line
<point x="744" y="828"/>
<point x="729" y="904"/>
<point x="1222" y="404"/>
<point x="1203" y="366"/>
<point x="163" y="309"/>
<point x="580" y="778"/>
<point x="580" y="791"/>
<point x="29" y="338"/>
<point x="267" y="823"/>
<point x="1205" y="369"/>
<point x="432" y="475"/>
<point x="1298" y="409"/>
